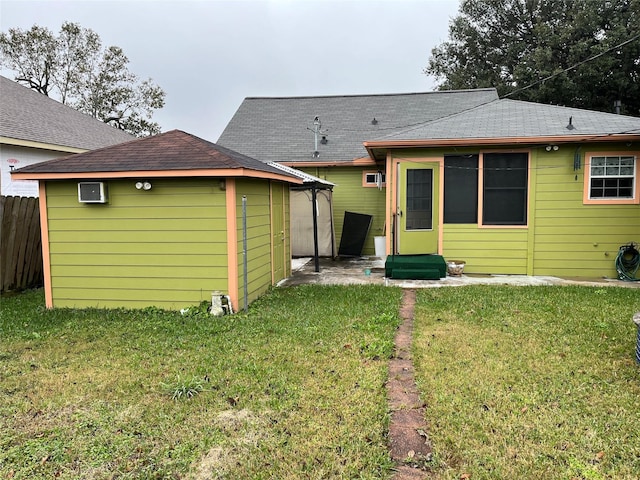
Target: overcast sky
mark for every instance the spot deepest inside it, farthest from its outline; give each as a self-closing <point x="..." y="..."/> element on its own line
<point x="209" y="55"/>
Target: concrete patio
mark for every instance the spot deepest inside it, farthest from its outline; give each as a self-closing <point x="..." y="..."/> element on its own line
<point x="370" y="270"/>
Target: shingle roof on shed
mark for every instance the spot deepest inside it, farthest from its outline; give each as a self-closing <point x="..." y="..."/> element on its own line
<point x="31" y="116"/>
<point x="171" y="151"/>
<point x="517" y="119"/>
<point x="279" y="129"/>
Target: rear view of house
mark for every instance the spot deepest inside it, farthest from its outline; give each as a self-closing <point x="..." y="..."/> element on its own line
<point x="514" y="187"/>
<point x="508" y="187"/>
<point x="323" y="136"/>
<point x="166" y="221"/>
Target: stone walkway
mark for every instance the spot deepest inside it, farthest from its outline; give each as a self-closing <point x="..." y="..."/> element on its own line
<point x="409" y="443"/>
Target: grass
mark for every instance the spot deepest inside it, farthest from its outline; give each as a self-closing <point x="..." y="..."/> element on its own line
<point x="292" y="389"/>
<point x="530" y="382"/>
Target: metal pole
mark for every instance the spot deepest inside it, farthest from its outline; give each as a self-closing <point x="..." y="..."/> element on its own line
<point x="314" y="201"/>
<point x="245" y="267"/>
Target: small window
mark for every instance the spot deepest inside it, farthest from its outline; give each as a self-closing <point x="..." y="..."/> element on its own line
<point x="612" y="177"/>
<point x="374" y="179"/>
<point x="505" y="188"/>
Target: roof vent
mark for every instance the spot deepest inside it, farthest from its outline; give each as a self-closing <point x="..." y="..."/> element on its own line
<point x="570" y="126"/>
<point x="374" y="121"/>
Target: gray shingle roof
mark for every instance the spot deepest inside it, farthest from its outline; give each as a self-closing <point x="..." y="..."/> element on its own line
<point x="279" y="129"/>
<point x="517" y="119"/>
<point x="28" y="115"/>
<point x="170" y="151"/>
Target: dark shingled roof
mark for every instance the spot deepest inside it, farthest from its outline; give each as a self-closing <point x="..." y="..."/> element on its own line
<point x="173" y="150"/>
<point x="280" y="129"/>
<point x="31" y="116"/>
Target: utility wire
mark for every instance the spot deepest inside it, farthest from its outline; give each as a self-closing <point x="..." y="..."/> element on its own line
<point x="573" y="66"/>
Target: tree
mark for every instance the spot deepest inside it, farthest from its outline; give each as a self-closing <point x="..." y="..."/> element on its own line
<point x="579" y="53"/>
<point x="74" y="68"/>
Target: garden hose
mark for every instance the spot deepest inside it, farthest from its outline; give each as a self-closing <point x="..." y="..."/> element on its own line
<point x="628" y="262"/>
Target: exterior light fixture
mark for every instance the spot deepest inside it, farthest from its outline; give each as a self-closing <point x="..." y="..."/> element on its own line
<point x="555" y="148"/>
<point x="143" y="186"/>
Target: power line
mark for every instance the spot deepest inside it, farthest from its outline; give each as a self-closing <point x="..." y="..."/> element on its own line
<point x="573" y="66"/>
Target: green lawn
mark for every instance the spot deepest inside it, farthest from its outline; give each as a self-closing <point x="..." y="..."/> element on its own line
<point x="519" y="382"/>
<point x="530" y="382"/>
<point x="292" y="389"/>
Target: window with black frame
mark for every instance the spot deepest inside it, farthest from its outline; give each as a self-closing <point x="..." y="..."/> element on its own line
<point x="461" y="188"/>
<point x="419" y="199"/>
<point x="505" y="188"/>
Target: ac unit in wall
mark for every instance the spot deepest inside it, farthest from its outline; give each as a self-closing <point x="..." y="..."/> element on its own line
<point x="92" y="192"/>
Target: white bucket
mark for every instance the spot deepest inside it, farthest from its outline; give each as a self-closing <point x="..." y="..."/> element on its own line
<point x="380" y="244"/>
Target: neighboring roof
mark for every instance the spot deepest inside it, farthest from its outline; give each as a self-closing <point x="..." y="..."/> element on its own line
<point x="280" y="129"/>
<point x="29" y="116"/>
<point x="171" y="153"/>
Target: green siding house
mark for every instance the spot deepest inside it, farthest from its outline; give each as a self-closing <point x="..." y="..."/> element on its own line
<point x="161" y="221"/>
<point x="515" y="187"/>
<point x="323" y="136"/>
<point x="508" y="187"/>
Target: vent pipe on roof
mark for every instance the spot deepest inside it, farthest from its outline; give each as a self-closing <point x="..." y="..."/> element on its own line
<point x="317" y="130"/>
<point x="570" y="126"/>
<point x="617" y="105"/>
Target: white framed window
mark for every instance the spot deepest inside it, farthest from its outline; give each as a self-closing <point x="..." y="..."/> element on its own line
<point x="373" y="179"/>
<point x="611" y="178"/>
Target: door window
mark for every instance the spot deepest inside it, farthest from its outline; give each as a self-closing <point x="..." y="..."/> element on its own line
<point x="419" y="199"/>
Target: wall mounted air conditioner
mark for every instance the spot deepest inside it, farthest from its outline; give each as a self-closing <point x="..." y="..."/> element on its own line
<point x="92" y="192"/>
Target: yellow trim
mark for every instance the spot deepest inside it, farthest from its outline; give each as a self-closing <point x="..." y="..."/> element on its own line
<point x="232" y="243"/>
<point x="46" y="257"/>
<point x="481" y="190"/>
<point x="531" y="209"/>
<point x="610" y="201"/>
<point x="227" y="172"/>
<point x="45" y="146"/>
<point x="389" y="194"/>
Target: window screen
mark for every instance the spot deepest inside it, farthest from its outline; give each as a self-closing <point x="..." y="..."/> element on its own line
<point x="505" y="188"/>
<point x="461" y="189"/>
<point x="419" y="199"/>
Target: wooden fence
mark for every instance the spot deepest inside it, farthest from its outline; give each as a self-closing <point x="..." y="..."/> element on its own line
<point x="20" y="244"/>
